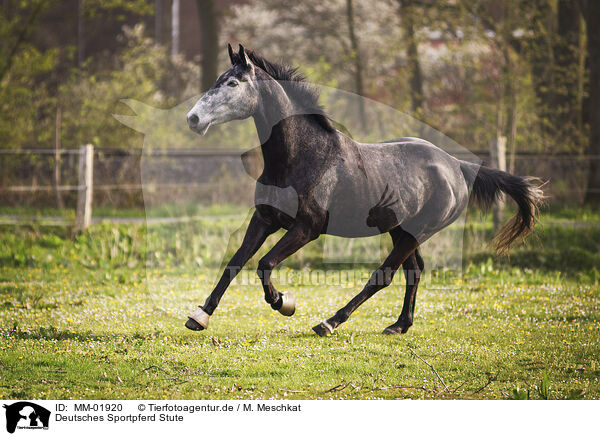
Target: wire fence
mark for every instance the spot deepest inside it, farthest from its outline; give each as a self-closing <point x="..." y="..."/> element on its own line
<point x="140" y="178"/>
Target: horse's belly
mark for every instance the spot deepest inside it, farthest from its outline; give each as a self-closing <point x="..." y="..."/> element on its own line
<point x="350" y="225"/>
<point x="363" y="212"/>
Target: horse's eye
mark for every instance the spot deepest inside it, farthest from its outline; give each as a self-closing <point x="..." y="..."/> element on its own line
<point x="232" y="83"/>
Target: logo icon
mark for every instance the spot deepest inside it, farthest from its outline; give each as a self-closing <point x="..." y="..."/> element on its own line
<point x="26" y="415"/>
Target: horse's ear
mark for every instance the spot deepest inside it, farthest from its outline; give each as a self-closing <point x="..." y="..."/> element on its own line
<point x="243" y="56"/>
<point x="230" y="50"/>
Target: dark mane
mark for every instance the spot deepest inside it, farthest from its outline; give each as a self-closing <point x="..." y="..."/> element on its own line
<point x="295" y="86"/>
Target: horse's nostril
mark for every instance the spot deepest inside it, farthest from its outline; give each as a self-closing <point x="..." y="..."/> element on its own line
<point x="193" y="120"/>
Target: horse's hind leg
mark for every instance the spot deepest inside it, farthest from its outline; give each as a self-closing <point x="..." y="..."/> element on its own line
<point x="404" y="245"/>
<point x="413" y="267"/>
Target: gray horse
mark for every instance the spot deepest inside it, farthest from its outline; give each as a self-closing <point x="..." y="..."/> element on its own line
<point x="316" y="180"/>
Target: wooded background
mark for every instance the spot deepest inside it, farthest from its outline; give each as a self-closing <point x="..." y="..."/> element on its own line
<point x="472" y="69"/>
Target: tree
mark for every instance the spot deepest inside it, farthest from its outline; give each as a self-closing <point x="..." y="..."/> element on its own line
<point x="358" y="66"/>
<point x="591" y="12"/>
<point x="90" y="12"/>
<point x="407" y="15"/>
<point x="90" y="97"/>
<point x="541" y="60"/>
<point x="17" y="22"/>
<point x="321" y="38"/>
<point x="567" y="77"/>
<point x="209" y="40"/>
<point x="25" y="101"/>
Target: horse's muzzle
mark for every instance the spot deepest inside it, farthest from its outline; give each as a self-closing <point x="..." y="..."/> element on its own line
<point x="193" y="121"/>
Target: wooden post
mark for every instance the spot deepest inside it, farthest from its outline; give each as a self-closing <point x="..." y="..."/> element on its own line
<point x="86" y="182"/>
<point x="498" y="160"/>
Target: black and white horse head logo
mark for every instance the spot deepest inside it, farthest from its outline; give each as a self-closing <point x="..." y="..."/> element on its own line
<point x="26" y="415"/>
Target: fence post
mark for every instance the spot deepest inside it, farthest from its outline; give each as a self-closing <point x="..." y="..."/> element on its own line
<point x="498" y="161"/>
<point x="86" y="188"/>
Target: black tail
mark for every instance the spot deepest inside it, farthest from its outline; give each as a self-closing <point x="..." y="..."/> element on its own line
<point x="488" y="183"/>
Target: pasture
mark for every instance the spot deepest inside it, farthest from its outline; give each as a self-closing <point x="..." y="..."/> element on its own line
<point x="101" y="315"/>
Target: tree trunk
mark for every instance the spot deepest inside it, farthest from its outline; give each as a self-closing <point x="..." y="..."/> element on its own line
<point x="510" y="94"/>
<point x="358" y="69"/>
<point x="542" y="61"/>
<point x="565" y="89"/>
<point x="58" y="193"/>
<point x="81" y="33"/>
<point x="510" y="82"/>
<point x="158" y="21"/>
<point x="416" y="78"/>
<point x="591" y="13"/>
<point x="209" y="40"/>
<point x="175" y="20"/>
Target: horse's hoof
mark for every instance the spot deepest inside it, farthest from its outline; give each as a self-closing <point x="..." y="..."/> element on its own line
<point x="323" y="329"/>
<point x="197" y="320"/>
<point x="394" y="329"/>
<point x="193" y="325"/>
<point x="288" y="304"/>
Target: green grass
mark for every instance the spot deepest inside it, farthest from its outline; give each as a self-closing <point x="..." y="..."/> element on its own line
<point x="177" y="210"/>
<point x="101" y="315"/>
<point x="65" y="334"/>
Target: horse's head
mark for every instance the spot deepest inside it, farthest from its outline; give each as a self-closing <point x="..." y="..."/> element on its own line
<point x="234" y="96"/>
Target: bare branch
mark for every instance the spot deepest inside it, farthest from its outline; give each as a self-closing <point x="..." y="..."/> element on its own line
<point x="385" y="388"/>
<point x="489" y="382"/>
<point x="339" y="387"/>
<point x="430" y="366"/>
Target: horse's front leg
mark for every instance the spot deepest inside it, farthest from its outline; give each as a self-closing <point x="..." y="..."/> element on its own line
<point x="257" y="232"/>
<point x="297" y="237"/>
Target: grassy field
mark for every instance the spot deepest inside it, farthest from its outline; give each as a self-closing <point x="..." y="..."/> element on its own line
<point x="85" y="318"/>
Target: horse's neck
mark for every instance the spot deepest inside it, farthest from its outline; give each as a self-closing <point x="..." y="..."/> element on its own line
<point x="274" y="106"/>
<point x="278" y="125"/>
<point x="289" y="138"/>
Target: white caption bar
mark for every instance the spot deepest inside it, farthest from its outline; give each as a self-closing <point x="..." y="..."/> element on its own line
<point x="113" y="418"/>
